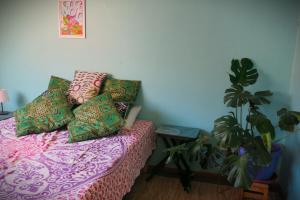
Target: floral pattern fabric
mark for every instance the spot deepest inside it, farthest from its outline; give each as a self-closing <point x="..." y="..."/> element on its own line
<point x="85" y="86"/>
<point x="45" y="113"/>
<point x="94" y="119"/>
<point x="47" y="167"/>
<point x="122" y="90"/>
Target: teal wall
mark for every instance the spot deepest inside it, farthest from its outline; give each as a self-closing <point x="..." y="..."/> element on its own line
<point x="180" y="49"/>
<point x="290" y="172"/>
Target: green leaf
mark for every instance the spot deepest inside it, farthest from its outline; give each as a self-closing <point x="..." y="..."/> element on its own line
<point x="267" y="140"/>
<point x="244" y="73"/>
<point x="173" y="151"/>
<point x="259" y="98"/>
<point x="228" y="131"/>
<point x="236" y="96"/>
<point x="236" y="168"/>
<point x="288" y="120"/>
<point x="262" y="123"/>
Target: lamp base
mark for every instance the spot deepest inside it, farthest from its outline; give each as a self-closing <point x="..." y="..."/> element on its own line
<point x="4" y="112"/>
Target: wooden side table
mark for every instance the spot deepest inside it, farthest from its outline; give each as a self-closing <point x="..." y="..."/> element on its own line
<point x="9" y="115"/>
<point x="173" y="136"/>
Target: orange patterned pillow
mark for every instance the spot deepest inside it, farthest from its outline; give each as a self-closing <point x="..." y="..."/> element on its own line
<point x="85" y="86"/>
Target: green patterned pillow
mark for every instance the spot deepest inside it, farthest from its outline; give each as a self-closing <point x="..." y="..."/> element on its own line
<point x="59" y="83"/>
<point x="96" y="118"/>
<point x="122" y="90"/>
<point x="46" y="113"/>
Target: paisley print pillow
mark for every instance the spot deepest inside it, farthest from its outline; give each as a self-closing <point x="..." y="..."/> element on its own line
<point x="59" y="83"/>
<point x="56" y="83"/>
<point x="122" y="90"/>
<point x="46" y="113"/>
<point x="85" y="86"/>
<point x="95" y="119"/>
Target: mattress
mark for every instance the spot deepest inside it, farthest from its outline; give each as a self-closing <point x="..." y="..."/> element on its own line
<point x="46" y="166"/>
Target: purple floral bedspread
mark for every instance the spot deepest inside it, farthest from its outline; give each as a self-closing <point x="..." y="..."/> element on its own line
<point x="45" y="166"/>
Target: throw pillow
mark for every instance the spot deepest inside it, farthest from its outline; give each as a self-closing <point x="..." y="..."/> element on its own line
<point x="122" y="90"/>
<point x="85" y="86"/>
<point x="56" y="83"/>
<point x="46" y="113"/>
<point x="59" y="83"/>
<point x="133" y="113"/>
<point x="95" y="119"/>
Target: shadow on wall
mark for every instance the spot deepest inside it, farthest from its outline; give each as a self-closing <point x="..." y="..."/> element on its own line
<point x="290" y="171"/>
<point x="20" y="99"/>
<point x="155" y="115"/>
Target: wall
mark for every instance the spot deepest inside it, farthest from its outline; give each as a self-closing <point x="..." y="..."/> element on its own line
<point x="290" y="172"/>
<point x="181" y="50"/>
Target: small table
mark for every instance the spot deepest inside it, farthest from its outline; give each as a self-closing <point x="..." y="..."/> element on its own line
<point x="9" y="115"/>
<point x="173" y="136"/>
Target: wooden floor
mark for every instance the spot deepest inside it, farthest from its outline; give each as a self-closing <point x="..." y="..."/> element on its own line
<point x="165" y="188"/>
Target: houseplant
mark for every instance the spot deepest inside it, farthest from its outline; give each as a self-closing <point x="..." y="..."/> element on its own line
<point x="241" y="141"/>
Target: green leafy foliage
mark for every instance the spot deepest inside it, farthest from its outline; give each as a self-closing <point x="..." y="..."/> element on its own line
<point x="236" y="169"/>
<point x="262" y="123"/>
<point x="236" y="96"/>
<point x="229" y="136"/>
<point x="228" y="131"/>
<point x="288" y="119"/>
<point x="174" y="151"/>
<point x="260" y="98"/>
<point x="243" y="72"/>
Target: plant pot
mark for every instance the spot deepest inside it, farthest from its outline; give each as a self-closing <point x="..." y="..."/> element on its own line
<point x="264" y="173"/>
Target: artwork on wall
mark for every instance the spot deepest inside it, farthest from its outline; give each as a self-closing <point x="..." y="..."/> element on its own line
<point x="71" y="17"/>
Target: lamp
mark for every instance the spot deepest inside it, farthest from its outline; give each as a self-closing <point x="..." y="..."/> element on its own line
<point x="3" y="98"/>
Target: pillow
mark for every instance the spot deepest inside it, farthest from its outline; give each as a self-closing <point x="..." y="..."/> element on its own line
<point x="133" y="113"/>
<point x="123" y="108"/>
<point x="45" y="93"/>
<point x="85" y="86"/>
<point x="46" y="113"/>
<point x="122" y="90"/>
<point x="56" y="83"/>
<point x="59" y="83"/>
<point x="95" y="119"/>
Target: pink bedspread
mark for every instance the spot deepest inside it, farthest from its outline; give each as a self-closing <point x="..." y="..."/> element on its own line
<point x="45" y="166"/>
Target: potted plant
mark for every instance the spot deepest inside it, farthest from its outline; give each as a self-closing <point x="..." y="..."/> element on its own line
<point x="242" y="142"/>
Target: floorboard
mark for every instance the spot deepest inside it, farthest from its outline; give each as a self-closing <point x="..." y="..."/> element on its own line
<point x="165" y="188"/>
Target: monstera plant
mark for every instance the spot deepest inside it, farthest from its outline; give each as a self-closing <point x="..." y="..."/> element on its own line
<point x="241" y="141"/>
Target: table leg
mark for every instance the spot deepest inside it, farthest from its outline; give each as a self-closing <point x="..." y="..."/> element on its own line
<point x="161" y="164"/>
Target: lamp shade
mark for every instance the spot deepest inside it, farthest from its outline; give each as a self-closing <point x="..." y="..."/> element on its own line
<point x="3" y="96"/>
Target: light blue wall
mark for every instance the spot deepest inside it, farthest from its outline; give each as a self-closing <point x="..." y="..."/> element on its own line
<point x="290" y="172"/>
<point x="181" y="50"/>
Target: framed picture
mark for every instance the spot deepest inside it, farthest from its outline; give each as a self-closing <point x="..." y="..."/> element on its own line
<point x="71" y="18"/>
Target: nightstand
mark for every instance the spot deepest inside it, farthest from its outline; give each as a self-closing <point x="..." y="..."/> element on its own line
<point x="173" y="136"/>
<point x="9" y="115"/>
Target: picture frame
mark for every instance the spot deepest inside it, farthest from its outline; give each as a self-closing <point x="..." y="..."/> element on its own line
<point x="71" y="18"/>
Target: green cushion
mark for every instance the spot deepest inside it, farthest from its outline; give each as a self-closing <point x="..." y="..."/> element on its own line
<point x="96" y="118"/>
<point x="122" y="90"/>
<point x="59" y="83"/>
<point x="46" y="113"/>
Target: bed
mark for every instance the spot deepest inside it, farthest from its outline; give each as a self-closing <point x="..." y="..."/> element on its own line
<point x="46" y="166"/>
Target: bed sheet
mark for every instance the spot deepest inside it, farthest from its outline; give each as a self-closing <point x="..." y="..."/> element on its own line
<point x="46" y="166"/>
